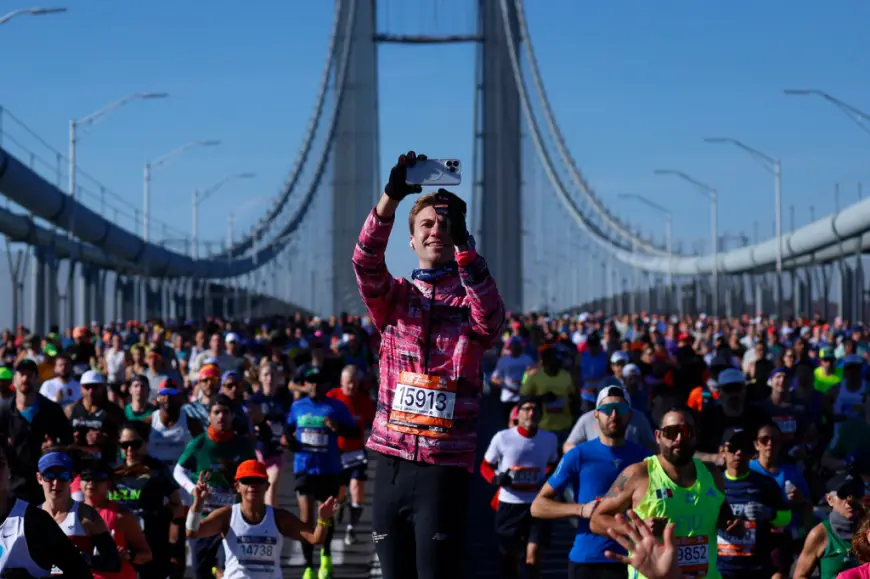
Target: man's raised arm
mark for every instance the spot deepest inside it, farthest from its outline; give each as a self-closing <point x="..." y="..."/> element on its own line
<point x="376" y="285"/>
<point x="632" y="483"/>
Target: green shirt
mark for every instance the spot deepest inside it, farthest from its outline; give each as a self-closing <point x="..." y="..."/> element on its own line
<point x="837" y="557"/>
<point x="694" y="510"/>
<point x="131" y="414"/>
<point x="221" y="459"/>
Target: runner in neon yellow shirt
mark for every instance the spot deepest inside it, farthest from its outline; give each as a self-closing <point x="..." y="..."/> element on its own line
<point x="673" y="486"/>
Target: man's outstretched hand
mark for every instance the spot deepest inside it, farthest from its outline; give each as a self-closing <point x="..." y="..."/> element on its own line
<point x="397" y="188"/>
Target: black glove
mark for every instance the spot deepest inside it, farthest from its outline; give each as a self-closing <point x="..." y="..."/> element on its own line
<point x="502" y="479"/>
<point x="397" y="188"/>
<point x="454" y="209"/>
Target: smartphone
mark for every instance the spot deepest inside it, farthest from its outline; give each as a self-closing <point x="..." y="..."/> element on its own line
<point x="435" y="173"/>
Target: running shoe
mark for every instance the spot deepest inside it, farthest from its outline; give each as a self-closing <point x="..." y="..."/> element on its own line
<point x="308" y="573"/>
<point x="350" y="537"/>
<point x="325" y="571"/>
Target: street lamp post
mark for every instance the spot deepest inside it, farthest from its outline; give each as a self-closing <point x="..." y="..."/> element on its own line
<point x="775" y="166"/>
<point x="856" y="114"/>
<point x="156" y="164"/>
<point x="199" y="197"/>
<point x="668" y="221"/>
<point x="89" y="121"/>
<point x="29" y="12"/>
<point x="714" y="236"/>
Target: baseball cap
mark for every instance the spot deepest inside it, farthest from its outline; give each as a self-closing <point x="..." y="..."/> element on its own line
<point x="55" y="460"/>
<point x="168" y="388"/>
<point x="50" y="350"/>
<point x="231" y="338"/>
<point x="738" y="438"/>
<point x="209" y="371"/>
<point x="619" y="356"/>
<point x="92" y="377"/>
<point x="631" y="370"/>
<point x="26" y="365"/>
<point x="730" y="376"/>
<point x="826" y="354"/>
<point x="251" y="469"/>
<point x="845" y="485"/>
<point x="5" y="373"/>
<point x="612" y="390"/>
<point x="230" y="376"/>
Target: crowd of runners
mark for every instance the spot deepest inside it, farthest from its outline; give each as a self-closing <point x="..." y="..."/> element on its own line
<point x="686" y="446"/>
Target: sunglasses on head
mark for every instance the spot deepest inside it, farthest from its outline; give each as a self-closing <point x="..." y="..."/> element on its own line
<point x="674" y="430"/>
<point x="621" y="408"/>
<point x="134" y="444"/>
<point x="252" y="481"/>
<point x="62" y="475"/>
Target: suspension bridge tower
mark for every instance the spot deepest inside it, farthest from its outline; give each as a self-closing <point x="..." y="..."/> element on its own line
<point x="496" y="170"/>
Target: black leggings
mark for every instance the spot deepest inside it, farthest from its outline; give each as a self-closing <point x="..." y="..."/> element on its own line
<point x="419" y="518"/>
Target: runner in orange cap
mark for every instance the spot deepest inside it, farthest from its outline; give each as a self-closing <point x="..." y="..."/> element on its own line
<point x="253" y="532"/>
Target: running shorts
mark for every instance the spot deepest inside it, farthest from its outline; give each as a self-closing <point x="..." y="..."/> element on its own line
<point x="319" y="486"/>
<point x="515" y="526"/>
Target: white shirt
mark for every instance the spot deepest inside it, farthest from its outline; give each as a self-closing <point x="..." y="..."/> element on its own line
<point x="116" y="363"/>
<point x="71" y="391"/>
<point x="167" y="444"/>
<point x="511" y="371"/>
<point x="525" y="458"/>
<point x="253" y="551"/>
<point x="14" y="552"/>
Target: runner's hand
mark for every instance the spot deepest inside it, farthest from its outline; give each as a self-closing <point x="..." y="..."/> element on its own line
<point x="503" y="479"/>
<point x="327" y="509"/>
<point x="735" y="528"/>
<point x="327" y="422"/>
<point x="201" y="491"/>
<point x="652" y="558"/>
<point x="397" y="188"/>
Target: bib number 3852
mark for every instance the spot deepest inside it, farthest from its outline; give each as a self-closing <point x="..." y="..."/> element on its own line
<point x="693" y="555"/>
<point x="423" y="405"/>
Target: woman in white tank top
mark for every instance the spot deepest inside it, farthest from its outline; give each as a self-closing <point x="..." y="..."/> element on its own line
<point x="253" y="533"/>
<point x="169" y="431"/>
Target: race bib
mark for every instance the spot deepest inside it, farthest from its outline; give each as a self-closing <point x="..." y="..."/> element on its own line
<point x="730" y="546"/>
<point x="693" y="557"/>
<point x="353" y="458"/>
<point x="423" y="405"/>
<point x="257" y="549"/>
<point x="525" y="478"/>
<point x="316" y="440"/>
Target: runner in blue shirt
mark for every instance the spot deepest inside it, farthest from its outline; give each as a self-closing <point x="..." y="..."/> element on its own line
<point x="590" y="469"/>
<point x="313" y="427"/>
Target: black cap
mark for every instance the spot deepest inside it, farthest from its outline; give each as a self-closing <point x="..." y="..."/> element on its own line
<point x="738" y="437"/>
<point x="26" y="365"/>
<point x="846" y="485"/>
<point x="528" y="400"/>
<point x="315" y="376"/>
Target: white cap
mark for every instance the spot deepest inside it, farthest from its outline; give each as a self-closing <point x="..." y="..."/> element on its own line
<point x="730" y="376"/>
<point x="612" y="390"/>
<point x="92" y="377"/>
<point x="619" y="356"/>
<point x="232" y="337"/>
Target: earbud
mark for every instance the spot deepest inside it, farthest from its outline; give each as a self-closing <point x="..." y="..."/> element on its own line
<point x="411" y="244"/>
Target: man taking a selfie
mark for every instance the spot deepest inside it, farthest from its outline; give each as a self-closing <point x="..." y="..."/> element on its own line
<point x="435" y="329"/>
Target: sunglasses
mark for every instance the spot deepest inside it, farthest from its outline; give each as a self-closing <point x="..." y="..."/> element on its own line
<point x="732" y="448"/>
<point x="91" y="386"/>
<point x="63" y="475"/>
<point x="767" y="439"/>
<point x="232" y="385"/>
<point x="621" y="408"/>
<point x="731" y="388"/>
<point x="134" y="444"/>
<point x="251" y="481"/>
<point x="674" y="430"/>
<point x="95" y="476"/>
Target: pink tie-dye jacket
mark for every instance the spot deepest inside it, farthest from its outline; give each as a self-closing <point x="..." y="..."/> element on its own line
<point x="445" y="335"/>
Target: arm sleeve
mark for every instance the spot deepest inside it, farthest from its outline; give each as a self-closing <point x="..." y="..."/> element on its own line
<point x="107" y="558"/>
<point x="49" y="547"/>
<point x="567" y="471"/>
<point x="183" y="477"/>
<point x="376" y="286"/>
<point x="487" y="307"/>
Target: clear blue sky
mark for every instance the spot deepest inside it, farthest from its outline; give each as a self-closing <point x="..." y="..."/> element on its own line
<point x="635" y="85"/>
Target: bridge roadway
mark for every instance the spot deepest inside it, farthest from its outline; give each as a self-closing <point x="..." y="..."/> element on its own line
<point x="358" y="561"/>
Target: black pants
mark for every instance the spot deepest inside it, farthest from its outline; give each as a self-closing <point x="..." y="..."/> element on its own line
<point x="597" y="571"/>
<point x="419" y="518"/>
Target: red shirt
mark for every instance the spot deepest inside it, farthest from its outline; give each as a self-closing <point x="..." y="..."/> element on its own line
<point x="362" y="408"/>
